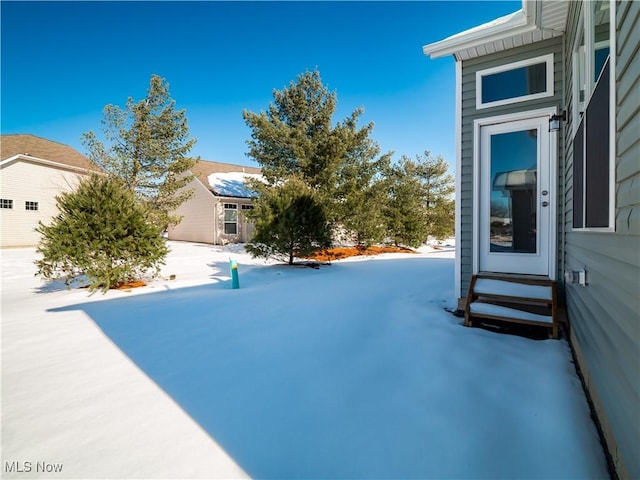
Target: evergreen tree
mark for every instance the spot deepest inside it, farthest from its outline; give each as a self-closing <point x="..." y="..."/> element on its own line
<point x="438" y="187"/>
<point x="101" y="232"/>
<point x="295" y="137"/>
<point x="404" y="210"/>
<point x="146" y="146"/>
<point x="289" y="222"/>
<point x="419" y="200"/>
<point x="358" y="195"/>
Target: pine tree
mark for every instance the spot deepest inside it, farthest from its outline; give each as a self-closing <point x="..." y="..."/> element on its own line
<point x="101" y="232"/>
<point x="289" y="222"/>
<point x="438" y="187"/>
<point x="358" y="195"/>
<point x="295" y="137"/>
<point x="404" y="210"/>
<point x="146" y="146"/>
<point x="419" y="200"/>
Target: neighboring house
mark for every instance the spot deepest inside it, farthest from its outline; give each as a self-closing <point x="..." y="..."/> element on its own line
<point x="562" y="204"/>
<point x="33" y="171"/>
<point x="215" y="212"/>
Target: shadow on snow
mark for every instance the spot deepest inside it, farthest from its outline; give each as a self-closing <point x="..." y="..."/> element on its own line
<point x="301" y="372"/>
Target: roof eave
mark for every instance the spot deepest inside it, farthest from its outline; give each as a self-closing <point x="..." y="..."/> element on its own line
<point x="42" y="161"/>
<point x="521" y="21"/>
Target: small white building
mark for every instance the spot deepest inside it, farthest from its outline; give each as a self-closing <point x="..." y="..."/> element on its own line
<point x="215" y="212"/>
<point x="33" y="171"/>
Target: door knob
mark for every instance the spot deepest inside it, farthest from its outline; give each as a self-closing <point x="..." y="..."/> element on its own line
<point x="545" y="204"/>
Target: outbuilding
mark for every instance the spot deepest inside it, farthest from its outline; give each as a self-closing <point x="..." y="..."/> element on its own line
<point x="33" y="172"/>
<point x="214" y="214"/>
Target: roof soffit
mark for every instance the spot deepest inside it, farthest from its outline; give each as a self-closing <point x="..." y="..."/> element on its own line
<point x="537" y="20"/>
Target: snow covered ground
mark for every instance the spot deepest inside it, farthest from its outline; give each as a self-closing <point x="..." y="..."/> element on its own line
<point x="354" y="370"/>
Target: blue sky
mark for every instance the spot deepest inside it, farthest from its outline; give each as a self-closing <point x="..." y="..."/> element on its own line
<point x="62" y="62"/>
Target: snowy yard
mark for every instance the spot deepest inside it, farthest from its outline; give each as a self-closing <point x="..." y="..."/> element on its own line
<point x="354" y="370"/>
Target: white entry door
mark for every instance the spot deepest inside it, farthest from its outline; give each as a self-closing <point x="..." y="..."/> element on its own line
<point x="515" y="232"/>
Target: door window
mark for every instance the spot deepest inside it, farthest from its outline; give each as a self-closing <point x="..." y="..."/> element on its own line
<point x="514" y="186"/>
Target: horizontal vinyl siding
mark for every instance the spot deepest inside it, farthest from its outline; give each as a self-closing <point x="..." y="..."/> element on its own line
<point x="605" y="314"/>
<point x="628" y="121"/>
<point x="197" y="213"/>
<point x="23" y="181"/>
<point x="470" y="114"/>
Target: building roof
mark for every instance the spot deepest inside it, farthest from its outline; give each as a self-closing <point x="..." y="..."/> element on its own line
<point x="205" y="170"/>
<point x="232" y="184"/>
<point x="537" y="20"/>
<point x="38" y="148"/>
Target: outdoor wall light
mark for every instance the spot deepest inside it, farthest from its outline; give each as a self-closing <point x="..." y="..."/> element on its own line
<point x="554" y="121"/>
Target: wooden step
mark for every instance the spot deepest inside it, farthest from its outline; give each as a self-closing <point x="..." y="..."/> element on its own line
<point x="489" y="310"/>
<point x="516" y="299"/>
<point x="506" y="289"/>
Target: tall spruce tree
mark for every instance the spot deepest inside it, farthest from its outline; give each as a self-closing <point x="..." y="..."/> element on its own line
<point x="101" y="232"/>
<point x="146" y="145"/>
<point x="295" y="137"/>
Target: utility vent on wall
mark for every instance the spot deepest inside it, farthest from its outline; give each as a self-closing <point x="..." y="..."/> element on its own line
<point x="576" y="276"/>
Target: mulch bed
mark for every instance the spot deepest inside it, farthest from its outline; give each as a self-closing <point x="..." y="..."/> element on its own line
<point x="345" y="252"/>
<point x="128" y="285"/>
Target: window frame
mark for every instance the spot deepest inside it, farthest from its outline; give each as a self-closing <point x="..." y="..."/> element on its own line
<point x="549" y="90"/>
<point x="6" y="203"/>
<point x="230" y="207"/>
<point x="585" y="29"/>
<point x="578" y="76"/>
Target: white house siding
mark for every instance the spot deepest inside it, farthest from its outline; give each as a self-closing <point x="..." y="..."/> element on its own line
<point x="604" y="315"/>
<point x="198" y="219"/>
<point x="28" y="181"/>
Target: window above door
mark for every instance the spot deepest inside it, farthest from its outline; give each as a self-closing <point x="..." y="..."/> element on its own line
<point x="515" y="82"/>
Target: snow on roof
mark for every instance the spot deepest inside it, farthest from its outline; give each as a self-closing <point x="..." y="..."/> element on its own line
<point x="535" y="21"/>
<point x="232" y="184"/>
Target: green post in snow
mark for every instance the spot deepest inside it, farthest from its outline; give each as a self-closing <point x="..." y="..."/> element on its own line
<point x="235" y="280"/>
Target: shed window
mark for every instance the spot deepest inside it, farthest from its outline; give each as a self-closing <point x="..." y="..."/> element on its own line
<point x="515" y="82"/>
<point x="231" y="218"/>
<point x="30" y="205"/>
<point x="6" y="203"/>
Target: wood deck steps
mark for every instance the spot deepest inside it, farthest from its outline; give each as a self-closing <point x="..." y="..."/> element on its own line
<point x="513" y="299"/>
